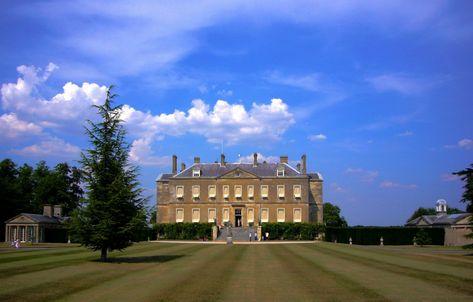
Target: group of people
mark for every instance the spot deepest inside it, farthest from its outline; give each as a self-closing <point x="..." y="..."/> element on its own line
<point x="255" y="236"/>
<point x="15" y="243"/>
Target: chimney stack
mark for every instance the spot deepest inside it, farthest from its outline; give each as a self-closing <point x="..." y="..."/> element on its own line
<point x="48" y="210"/>
<point x="298" y="166"/>
<point x="284" y="159"/>
<point x="183" y="166"/>
<point x="174" y="164"/>
<point x="255" y="159"/>
<point x="304" y="164"/>
<point x="196" y="160"/>
<point x="57" y="210"/>
<point x="222" y="160"/>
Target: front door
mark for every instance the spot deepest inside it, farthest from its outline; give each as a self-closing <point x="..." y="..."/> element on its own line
<point x="238" y="220"/>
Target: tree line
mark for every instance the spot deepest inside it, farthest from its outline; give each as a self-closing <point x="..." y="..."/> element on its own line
<point x="25" y="189"/>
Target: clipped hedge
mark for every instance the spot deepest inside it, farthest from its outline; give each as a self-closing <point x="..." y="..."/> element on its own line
<point x="292" y="231"/>
<point x="372" y="235"/>
<point x="184" y="231"/>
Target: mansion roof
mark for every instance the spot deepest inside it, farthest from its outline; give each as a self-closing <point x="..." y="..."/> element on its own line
<point x="216" y="170"/>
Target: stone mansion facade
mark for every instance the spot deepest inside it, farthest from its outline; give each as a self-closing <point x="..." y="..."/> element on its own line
<point x="240" y="194"/>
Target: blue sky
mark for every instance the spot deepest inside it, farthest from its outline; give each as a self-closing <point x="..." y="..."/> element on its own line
<point x="376" y="93"/>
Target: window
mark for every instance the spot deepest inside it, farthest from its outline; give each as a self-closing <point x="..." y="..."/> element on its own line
<point x="297" y="191"/>
<point x="251" y="215"/>
<point x="281" y="215"/>
<point x="226" y="215"/>
<point x="180" y="192"/>
<point x="195" y="192"/>
<point x="195" y="215"/>
<point x="212" y="191"/>
<point x="265" y="215"/>
<point x="238" y="191"/>
<point x="179" y="215"/>
<point x="264" y="191"/>
<point x="280" y="171"/>
<point x="226" y="192"/>
<point x="281" y="191"/>
<point x="196" y="173"/>
<point x="297" y="215"/>
<point x="251" y="192"/>
<point x="212" y="215"/>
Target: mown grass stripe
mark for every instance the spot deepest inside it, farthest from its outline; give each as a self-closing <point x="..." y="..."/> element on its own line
<point x="444" y="280"/>
<point x="80" y="281"/>
<point x="329" y="283"/>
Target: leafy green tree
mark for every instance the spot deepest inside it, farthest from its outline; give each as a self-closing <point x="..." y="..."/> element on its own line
<point x="422" y="238"/>
<point x="8" y="191"/>
<point x="114" y="210"/>
<point x="332" y="216"/>
<point x="466" y="175"/>
<point x="431" y="211"/>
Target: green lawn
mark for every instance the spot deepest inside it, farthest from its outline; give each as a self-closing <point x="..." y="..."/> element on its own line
<point x="205" y="272"/>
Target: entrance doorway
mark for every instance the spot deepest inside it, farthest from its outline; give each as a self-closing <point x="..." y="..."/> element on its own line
<point x="238" y="218"/>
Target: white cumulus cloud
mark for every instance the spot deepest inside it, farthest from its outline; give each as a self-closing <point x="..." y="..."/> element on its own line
<point x="387" y="184"/>
<point x="362" y="174"/>
<point x="317" y="137"/>
<point x="51" y="147"/>
<point x="12" y="127"/>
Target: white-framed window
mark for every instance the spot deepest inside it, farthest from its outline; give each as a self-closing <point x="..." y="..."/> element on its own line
<point x="238" y="191"/>
<point x="264" y="191"/>
<point x="264" y="215"/>
<point x="250" y="215"/>
<point x="195" y="215"/>
<point x="226" y="192"/>
<point x="225" y="214"/>
<point x="297" y="215"/>
<point x="195" y="192"/>
<point x="212" y="191"/>
<point x="251" y="192"/>
<point x="281" y="215"/>
<point x="297" y="191"/>
<point x="212" y="215"/>
<point x="196" y="172"/>
<point x="281" y="192"/>
<point x="179" y="215"/>
<point x="280" y="171"/>
<point x="179" y="191"/>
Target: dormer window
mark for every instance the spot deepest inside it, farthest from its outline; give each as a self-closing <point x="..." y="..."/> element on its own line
<point x="196" y="172"/>
<point x="280" y="171"/>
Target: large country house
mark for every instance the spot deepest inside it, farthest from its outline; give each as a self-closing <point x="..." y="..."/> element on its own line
<point x="240" y="194"/>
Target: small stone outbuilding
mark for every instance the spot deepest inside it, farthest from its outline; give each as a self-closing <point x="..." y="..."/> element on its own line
<point x="456" y="226"/>
<point x="36" y="228"/>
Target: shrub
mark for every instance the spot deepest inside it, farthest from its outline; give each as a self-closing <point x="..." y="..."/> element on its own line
<point x="422" y="238"/>
<point x="391" y="235"/>
<point x="184" y="231"/>
<point x="292" y="231"/>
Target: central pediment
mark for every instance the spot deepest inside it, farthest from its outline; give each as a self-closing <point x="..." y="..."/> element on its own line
<point x="238" y="173"/>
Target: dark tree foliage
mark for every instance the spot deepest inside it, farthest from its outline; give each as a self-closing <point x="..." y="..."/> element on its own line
<point x="332" y="216"/>
<point x="114" y="211"/>
<point x="467" y="176"/>
<point x="431" y="211"/>
<point x="422" y="238"/>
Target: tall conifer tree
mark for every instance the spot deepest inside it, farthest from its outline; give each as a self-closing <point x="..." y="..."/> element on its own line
<point x="114" y="208"/>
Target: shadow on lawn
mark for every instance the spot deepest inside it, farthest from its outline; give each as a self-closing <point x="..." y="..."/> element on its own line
<point x="143" y="259"/>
